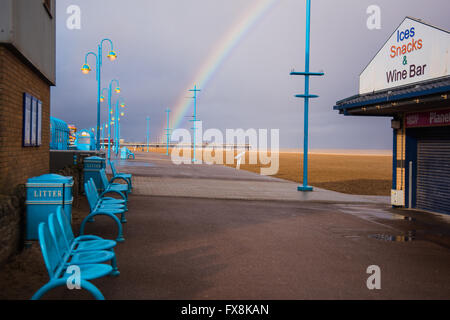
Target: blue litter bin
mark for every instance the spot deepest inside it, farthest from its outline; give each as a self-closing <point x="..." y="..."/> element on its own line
<point x="44" y="195"/>
<point x="91" y="170"/>
<point x="124" y="153"/>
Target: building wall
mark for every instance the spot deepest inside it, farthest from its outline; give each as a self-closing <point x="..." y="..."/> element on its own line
<point x="31" y="29"/>
<point x="18" y="163"/>
<point x="401" y="146"/>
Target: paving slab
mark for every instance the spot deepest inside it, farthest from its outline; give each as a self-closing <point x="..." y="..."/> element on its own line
<point x="156" y="175"/>
<point x="211" y="232"/>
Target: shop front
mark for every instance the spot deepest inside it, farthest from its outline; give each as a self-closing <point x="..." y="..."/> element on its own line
<point x="409" y="81"/>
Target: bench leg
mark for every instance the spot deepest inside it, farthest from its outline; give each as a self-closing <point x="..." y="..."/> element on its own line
<point x="115" y="272"/>
<point x="123" y="219"/>
<point x="120" y="237"/>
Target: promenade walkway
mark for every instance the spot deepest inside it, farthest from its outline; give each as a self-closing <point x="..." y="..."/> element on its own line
<point x="212" y="232"/>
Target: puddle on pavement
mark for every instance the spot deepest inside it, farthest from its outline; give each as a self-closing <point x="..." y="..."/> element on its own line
<point x="124" y="163"/>
<point x="410" y="236"/>
<point x="371" y="213"/>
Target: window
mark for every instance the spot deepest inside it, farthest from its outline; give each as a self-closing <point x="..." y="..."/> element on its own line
<point x="48" y="7"/>
<point x="32" y="121"/>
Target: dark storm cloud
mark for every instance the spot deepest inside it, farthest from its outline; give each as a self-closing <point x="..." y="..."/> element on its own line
<point x="162" y="43"/>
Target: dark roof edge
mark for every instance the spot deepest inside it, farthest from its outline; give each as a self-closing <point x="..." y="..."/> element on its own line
<point x="406" y="86"/>
<point x="393" y="98"/>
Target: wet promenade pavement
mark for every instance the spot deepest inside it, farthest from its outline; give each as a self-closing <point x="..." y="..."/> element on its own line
<point x="212" y="232"/>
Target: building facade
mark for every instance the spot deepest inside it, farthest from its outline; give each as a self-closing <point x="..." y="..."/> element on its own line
<point x="409" y="81"/>
<point x="27" y="71"/>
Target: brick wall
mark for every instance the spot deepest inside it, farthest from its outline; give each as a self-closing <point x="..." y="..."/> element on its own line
<point x="17" y="163"/>
<point x="12" y="223"/>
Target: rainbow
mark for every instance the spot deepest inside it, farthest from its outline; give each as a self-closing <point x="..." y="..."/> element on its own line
<point x="217" y="57"/>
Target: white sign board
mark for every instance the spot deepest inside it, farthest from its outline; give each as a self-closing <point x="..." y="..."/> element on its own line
<point x="415" y="52"/>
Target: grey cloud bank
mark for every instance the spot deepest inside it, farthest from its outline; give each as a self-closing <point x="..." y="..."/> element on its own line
<point x="162" y="43"/>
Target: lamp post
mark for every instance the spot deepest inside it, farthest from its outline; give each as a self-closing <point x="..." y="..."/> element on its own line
<point x="306" y="96"/>
<point x="195" y="90"/>
<point x="86" y="69"/>
<point x="168" y="131"/>
<point x="117" y="90"/>
<point x="103" y="129"/>
<point x="121" y="114"/>
<point x="116" y="126"/>
<point x="148" y="134"/>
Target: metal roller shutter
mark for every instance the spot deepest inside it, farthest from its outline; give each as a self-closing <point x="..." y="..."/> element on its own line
<point x="433" y="175"/>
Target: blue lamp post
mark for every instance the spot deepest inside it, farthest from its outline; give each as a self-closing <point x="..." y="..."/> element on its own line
<point x="148" y="134"/>
<point x="116" y="125"/>
<point x="117" y="90"/>
<point x="306" y="96"/>
<point x="102" y="131"/>
<point x="195" y="90"/>
<point x="86" y="69"/>
<point x="168" y="131"/>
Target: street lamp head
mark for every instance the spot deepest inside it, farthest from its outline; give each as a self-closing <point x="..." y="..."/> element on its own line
<point x="112" y="56"/>
<point x="102" y="98"/>
<point x="122" y="105"/>
<point x="122" y="114"/>
<point x="85" y="68"/>
<point x="118" y="90"/>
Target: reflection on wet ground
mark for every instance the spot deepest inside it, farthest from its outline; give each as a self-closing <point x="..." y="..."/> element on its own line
<point x="405" y="225"/>
<point x="394" y="238"/>
<point x="128" y="163"/>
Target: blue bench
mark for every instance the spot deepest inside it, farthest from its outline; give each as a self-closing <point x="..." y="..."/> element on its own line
<point x="103" y="200"/>
<point x="118" y="175"/>
<point x="59" y="257"/>
<point x="127" y="154"/>
<point x="110" y="186"/>
<point x="98" y="208"/>
<point x="83" y="245"/>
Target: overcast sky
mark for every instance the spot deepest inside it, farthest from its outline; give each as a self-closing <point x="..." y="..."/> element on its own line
<point x="161" y="44"/>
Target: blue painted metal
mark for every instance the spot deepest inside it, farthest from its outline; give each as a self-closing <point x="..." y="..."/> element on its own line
<point x="116" y="127"/>
<point x="168" y="131"/>
<point x="111" y="186"/>
<point x="97" y="208"/>
<point x="295" y="73"/>
<point x="71" y="254"/>
<point x="102" y="135"/>
<point x="109" y="113"/>
<point x="81" y="243"/>
<point x="123" y="153"/>
<point x="44" y="194"/>
<point x="309" y="96"/>
<point x="306" y="96"/>
<point x="127" y="177"/>
<point x="195" y="90"/>
<point x="99" y="63"/>
<point x="148" y="134"/>
<point x="57" y="266"/>
<point x="85" y="140"/>
<point x="91" y="170"/>
<point x="126" y="154"/>
<point x="59" y="134"/>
